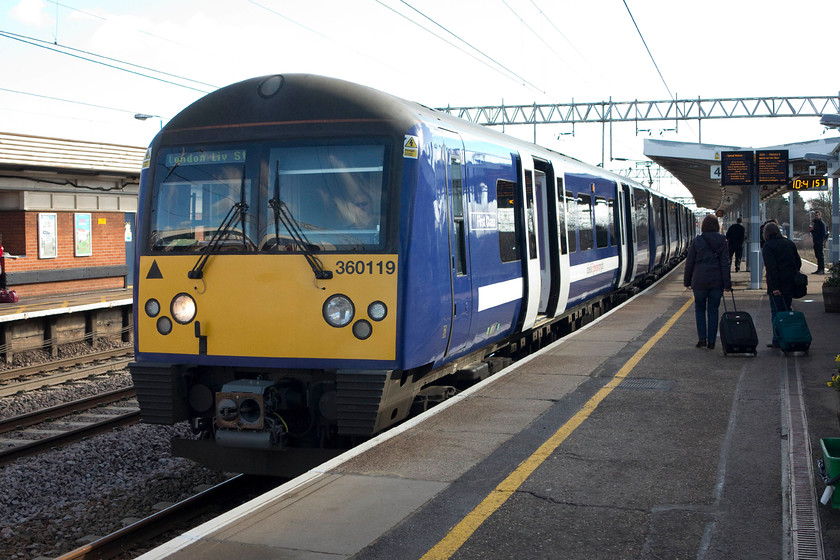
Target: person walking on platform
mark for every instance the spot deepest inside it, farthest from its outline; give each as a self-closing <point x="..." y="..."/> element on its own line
<point x="818" y="231"/>
<point x="781" y="262"/>
<point x="707" y="274"/>
<point x="735" y="237"/>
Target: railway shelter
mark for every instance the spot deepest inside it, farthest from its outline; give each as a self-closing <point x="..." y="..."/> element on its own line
<point x="698" y="167"/>
<point x="67" y="213"/>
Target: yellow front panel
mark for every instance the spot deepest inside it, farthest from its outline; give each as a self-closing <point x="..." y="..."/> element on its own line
<point x="269" y="305"/>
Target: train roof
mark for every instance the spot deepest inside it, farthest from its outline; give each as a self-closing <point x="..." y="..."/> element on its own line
<point x="316" y="101"/>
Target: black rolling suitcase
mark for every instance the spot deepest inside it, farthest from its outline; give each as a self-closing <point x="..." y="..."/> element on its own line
<point x="737" y="331"/>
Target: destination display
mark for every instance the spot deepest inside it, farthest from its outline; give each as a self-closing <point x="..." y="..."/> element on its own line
<point x="809" y="184"/>
<point x="771" y="166"/>
<point x="736" y="168"/>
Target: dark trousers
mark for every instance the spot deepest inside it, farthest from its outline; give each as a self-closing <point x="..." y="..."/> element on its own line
<point x="706" y="305"/>
<point x="818" y="252"/>
<point x="738" y="252"/>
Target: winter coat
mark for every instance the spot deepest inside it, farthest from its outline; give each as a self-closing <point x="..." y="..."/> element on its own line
<point x="818" y="232"/>
<point x="735" y="235"/>
<point x="781" y="261"/>
<point x="707" y="264"/>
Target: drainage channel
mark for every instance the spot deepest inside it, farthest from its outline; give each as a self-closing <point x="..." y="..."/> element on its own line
<point x="806" y="538"/>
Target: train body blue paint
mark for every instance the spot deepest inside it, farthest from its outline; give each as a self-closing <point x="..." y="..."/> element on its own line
<point x="280" y="322"/>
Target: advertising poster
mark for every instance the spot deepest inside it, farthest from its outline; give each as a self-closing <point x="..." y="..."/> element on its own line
<point x="47" y="236"/>
<point x="84" y="244"/>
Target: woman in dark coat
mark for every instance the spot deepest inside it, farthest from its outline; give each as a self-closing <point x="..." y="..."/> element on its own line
<point x="781" y="262"/>
<point x="707" y="274"/>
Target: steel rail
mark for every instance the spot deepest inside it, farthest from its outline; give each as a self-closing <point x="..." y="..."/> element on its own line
<point x="65" y="409"/>
<point x="70" y="436"/>
<point x="52" y="365"/>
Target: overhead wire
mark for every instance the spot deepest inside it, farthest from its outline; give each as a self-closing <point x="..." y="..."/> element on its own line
<point x="650" y="54"/>
<point x="55" y="48"/>
<point x="523" y="81"/>
<point x="67" y="100"/>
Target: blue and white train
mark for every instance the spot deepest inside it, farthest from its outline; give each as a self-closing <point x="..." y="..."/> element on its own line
<point x="316" y="259"/>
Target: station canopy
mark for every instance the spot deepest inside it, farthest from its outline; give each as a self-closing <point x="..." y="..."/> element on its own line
<point x="697" y="167"/>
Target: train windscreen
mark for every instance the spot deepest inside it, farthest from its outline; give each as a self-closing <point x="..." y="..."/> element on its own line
<point x="268" y="198"/>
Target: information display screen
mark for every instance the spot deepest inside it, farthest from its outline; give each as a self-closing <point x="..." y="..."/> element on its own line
<point x="809" y="183"/>
<point x="736" y="168"/>
<point x="771" y="166"/>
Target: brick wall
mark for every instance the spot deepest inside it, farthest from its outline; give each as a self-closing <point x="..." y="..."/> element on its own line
<point x="108" y="249"/>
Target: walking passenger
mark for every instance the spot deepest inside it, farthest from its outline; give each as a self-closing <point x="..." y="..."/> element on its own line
<point x="707" y="274"/>
<point x="782" y="262"/>
<point x="818" y="237"/>
<point x="735" y="237"/>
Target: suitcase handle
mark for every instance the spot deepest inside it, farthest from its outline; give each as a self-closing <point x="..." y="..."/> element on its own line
<point x="731" y="293"/>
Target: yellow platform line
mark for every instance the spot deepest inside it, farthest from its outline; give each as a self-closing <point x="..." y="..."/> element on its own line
<point x="459" y="534"/>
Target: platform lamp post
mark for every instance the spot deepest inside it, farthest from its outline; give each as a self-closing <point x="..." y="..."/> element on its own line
<point x="144" y="116"/>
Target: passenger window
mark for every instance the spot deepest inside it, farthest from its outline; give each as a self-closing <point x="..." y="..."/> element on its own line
<point x="585" y="228"/>
<point x="615" y="231"/>
<point x="529" y="216"/>
<point x="460" y="245"/>
<point x="561" y="217"/>
<point x="602" y="222"/>
<point x="508" y="227"/>
<point x="571" y="209"/>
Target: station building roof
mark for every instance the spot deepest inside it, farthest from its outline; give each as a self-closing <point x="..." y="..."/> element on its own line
<point x="21" y="152"/>
<point x="692" y="164"/>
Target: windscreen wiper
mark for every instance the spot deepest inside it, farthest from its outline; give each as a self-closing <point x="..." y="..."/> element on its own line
<point x="238" y="210"/>
<point x="283" y="214"/>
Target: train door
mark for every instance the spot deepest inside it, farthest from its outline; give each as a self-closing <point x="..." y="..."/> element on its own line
<point x="628" y="248"/>
<point x="460" y="283"/>
<point x="541" y="196"/>
<point x="531" y="264"/>
<point x="566" y="231"/>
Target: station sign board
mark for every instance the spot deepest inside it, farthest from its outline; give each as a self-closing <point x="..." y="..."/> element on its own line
<point x="808" y="183"/>
<point x="771" y="166"/>
<point x="736" y="168"/>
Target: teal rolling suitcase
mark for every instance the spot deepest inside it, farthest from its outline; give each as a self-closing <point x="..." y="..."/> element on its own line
<point x="792" y="331"/>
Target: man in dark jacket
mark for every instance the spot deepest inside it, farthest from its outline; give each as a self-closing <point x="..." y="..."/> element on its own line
<point x="781" y="262"/>
<point x="818" y="237"/>
<point x="735" y="237"/>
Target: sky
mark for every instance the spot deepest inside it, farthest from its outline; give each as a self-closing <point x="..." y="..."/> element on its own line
<point x="81" y="69"/>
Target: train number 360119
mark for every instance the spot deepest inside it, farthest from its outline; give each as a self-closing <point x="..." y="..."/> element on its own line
<point x="362" y="267"/>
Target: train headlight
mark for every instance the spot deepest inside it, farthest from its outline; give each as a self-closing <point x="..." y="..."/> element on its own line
<point x="152" y="307"/>
<point x="164" y="325"/>
<point x="338" y="311"/>
<point x="183" y="308"/>
<point x="377" y="310"/>
<point x="362" y="329"/>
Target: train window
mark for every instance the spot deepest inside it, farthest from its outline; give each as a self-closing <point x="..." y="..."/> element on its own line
<point x="508" y="225"/>
<point x="614" y="219"/>
<point x="561" y="218"/>
<point x="571" y="208"/>
<point x="334" y="194"/>
<point x="585" y="229"/>
<point x="602" y="222"/>
<point x="196" y="193"/>
<point x="640" y="203"/>
<point x="459" y="247"/>
<point x="532" y="226"/>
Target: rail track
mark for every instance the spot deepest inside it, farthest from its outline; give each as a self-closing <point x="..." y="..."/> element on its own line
<point x="60" y="371"/>
<point x="66" y="423"/>
<point x="147" y="532"/>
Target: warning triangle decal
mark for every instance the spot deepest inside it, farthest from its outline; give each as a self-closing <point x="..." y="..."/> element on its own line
<point x="411" y="143"/>
<point x="154" y="272"/>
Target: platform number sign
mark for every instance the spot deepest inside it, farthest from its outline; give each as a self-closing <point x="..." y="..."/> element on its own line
<point x="714" y="172"/>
